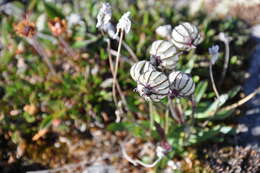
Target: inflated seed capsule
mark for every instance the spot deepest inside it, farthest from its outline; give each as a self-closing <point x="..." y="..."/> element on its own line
<point x="153" y="85"/>
<point x="139" y="68"/>
<point x="164" y="55"/>
<point x="181" y="84"/>
<point x="164" y="31"/>
<point x="186" y="36"/>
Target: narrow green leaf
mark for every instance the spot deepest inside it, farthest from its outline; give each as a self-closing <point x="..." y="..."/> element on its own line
<point x="233" y="92"/>
<point x="52" y="10"/>
<point x="213" y="107"/>
<point x="200" y="90"/>
<point x="46" y="122"/>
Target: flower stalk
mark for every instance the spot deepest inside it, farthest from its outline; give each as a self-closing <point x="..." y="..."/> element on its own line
<point x="117" y="63"/>
<point x="37" y="46"/>
<point x="225" y="39"/>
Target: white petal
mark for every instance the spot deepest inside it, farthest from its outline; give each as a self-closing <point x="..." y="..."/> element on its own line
<point x="124" y="23"/>
<point x="104" y="15"/>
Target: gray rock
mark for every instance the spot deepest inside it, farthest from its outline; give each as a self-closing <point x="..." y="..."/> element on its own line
<point x="255" y="32"/>
<point x="252" y="118"/>
<point x="100" y="168"/>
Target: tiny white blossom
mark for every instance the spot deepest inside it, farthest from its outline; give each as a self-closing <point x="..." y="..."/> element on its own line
<point x="74" y="19"/>
<point x="224" y="37"/>
<point x="124" y="23"/>
<point x="104" y="15"/>
<point x="213" y="51"/>
<point x="110" y="30"/>
<point x="174" y="165"/>
<point x="164" y="31"/>
<point x="160" y="151"/>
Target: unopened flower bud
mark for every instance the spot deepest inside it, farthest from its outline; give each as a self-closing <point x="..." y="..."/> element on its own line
<point x="213" y="51"/>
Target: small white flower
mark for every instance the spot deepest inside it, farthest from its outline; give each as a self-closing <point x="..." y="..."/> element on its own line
<point x="104" y="15"/>
<point x="160" y="151"/>
<point x="153" y="85"/>
<point x="181" y="84"/>
<point x="110" y="30"/>
<point x="21" y="65"/>
<point x="213" y="51"/>
<point x="164" y="55"/>
<point x="223" y="37"/>
<point x="74" y="19"/>
<point x="174" y="165"/>
<point x="139" y="68"/>
<point x="124" y="23"/>
<point x="164" y="31"/>
<point x="186" y="36"/>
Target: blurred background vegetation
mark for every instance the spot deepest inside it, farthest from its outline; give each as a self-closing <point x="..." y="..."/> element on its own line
<point x="48" y="121"/>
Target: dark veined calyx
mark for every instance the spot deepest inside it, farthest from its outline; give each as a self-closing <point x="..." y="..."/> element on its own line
<point x="153" y="85"/>
<point x="139" y="68"/>
<point x="181" y="84"/>
<point x="164" y="55"/>
<point x="186" y="36"/>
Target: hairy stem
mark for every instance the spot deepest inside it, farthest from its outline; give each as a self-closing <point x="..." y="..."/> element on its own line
<point x="173" y="112"/>
<point x="117" y="63"/>
<point x="242" y="101"/>
<point x="122" y="96"/>
<point x="67" y="48"/>
<point x="239" y="103"/>
<point x="226" y="63"/>
<point x="166" y="125"/>
<point x="131" y="52"/>
<point x="151" y="114"/>
<point x="37" y="46"/>
<point x="213" y="81"/>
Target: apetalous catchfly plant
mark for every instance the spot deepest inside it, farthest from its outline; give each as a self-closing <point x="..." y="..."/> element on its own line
<point x="158" y="78"/>
<point x="164" y="55"/>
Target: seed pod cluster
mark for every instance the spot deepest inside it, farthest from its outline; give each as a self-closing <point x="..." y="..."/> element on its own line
<point x="159" y="77"/>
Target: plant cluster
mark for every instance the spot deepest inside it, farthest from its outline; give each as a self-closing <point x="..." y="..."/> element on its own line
<point x="159" y="78"/>
<point x="55" y="79"/>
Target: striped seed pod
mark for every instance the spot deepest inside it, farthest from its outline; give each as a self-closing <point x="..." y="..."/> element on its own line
<point x="164" y="55"/>
<point x="186" y="36"/>
<point x="181" y="84"/>
<point x="153" y="85"/>
<point x="139" y="68"/>
<point x="164" y="31"/>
